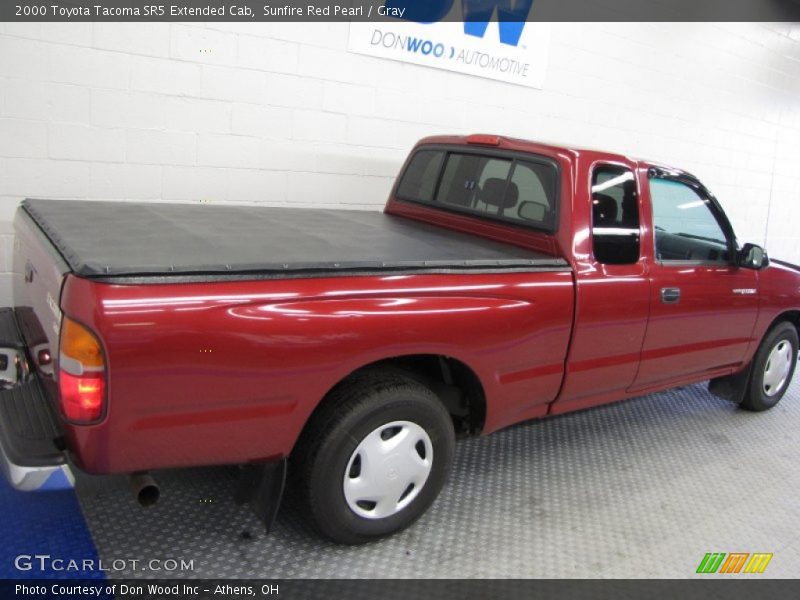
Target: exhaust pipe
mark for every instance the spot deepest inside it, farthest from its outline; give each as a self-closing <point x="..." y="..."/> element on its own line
<point x="144" y="489"/>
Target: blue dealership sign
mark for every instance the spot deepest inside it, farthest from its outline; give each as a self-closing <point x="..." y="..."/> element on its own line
<point x="486" y="38"/>
<point x="476" y="14"/>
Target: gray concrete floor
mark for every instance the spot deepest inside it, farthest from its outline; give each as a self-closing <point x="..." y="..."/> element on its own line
<point x="642" y="488"/>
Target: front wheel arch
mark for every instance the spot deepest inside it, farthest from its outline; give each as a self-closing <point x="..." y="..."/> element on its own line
<point x="740" y="388"/>
<point x="791" y="316"/>
<point x="772" y="368"/>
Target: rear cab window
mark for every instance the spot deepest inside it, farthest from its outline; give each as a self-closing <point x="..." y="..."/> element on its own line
<point x="511" y="187"/>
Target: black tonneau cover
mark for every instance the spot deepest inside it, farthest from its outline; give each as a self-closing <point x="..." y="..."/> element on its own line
<point x="119" y="239"/>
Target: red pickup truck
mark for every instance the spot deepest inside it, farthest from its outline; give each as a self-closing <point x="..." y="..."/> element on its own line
<point x="505" y="280"/>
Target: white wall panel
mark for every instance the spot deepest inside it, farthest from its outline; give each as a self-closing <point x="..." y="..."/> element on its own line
<point x="283" y="114"/>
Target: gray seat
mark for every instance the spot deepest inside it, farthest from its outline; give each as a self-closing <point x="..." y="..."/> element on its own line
<point x="500" y="193"/>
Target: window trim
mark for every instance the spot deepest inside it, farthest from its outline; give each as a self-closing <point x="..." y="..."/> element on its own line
<point x="513" y="155"/>
<point x="615" y="165"/>
<point x="714" y="207"/>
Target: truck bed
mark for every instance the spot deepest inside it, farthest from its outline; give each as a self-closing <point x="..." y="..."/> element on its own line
<point x="110" y="240"/>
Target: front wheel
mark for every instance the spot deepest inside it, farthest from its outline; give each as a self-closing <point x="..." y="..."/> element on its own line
<point x="773" y="367"/>
<point x="374" y="458"/>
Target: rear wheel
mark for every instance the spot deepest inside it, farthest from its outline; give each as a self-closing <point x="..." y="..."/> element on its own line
<point x="374" y="458"/>
<point x="773" y="367"/>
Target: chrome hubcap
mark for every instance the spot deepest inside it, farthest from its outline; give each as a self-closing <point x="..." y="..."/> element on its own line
<point x="779" y="364"/>
<point x="388" y="470"/>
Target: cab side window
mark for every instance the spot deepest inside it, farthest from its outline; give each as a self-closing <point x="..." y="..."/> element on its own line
<point x="685" y="226"/>
<point x="615" y="215"/>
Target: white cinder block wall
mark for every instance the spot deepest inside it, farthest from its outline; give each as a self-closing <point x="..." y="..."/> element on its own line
<point x="282" y="114"/>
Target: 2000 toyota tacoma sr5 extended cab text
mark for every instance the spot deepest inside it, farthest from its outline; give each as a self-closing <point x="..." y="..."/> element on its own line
<point x="505" y="280"/>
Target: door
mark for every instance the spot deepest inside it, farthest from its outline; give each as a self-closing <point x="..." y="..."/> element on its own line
<point x="702" y="306"/>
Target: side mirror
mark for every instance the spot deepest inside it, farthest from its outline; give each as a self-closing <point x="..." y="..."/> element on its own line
<point x="753" y="257"/>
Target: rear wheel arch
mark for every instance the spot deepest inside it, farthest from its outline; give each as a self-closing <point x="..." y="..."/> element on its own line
<point x="454" y="383"/>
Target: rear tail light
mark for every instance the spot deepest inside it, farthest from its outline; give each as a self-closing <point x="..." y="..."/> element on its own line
<point x="82" y="374"/>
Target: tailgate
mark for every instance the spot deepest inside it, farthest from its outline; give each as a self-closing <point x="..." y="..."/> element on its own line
<point x="31" y="446"/>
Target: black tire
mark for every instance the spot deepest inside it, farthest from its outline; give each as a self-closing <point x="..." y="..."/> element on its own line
<point x="352" y="411"/>
<point x="756" y="397"/>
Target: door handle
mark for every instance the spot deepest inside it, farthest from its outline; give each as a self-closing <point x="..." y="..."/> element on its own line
<point x="670" y="295"/>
